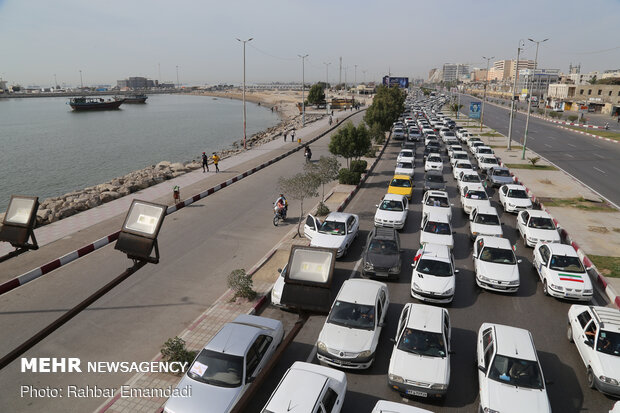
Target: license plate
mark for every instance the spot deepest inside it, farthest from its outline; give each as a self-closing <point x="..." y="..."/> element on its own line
<point x="417" y="393"/>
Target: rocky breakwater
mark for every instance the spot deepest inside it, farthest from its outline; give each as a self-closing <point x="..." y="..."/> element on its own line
<point x="57" y="208"/>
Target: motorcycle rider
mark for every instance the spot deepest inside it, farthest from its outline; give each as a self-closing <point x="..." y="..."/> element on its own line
<point x="308" y="153"/>
<point x="281" y="205"/>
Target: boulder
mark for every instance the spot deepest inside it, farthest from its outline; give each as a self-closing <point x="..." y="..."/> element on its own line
<point x="106" y="187"/>
<point x="163" y="165"/>
<point x="64" y="213"/>
<point x="178" y="166"/>
<point x="109" y="196"/>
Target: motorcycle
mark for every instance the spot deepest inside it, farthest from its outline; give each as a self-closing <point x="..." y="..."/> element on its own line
<point x="279" y="215"/>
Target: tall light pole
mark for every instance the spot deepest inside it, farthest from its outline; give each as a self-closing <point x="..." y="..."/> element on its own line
<point x="326" y="85"/>
<point x="178" y="84"/>
<point x="159" y="73"/>
<point x="486" y="83"/>
<point x="364" y="78"/>
<point x="55" y="81"/>
<point x="303" y="89"/>
<point x="81" y="82"/>
<point x="355" y="76"/>
<point x="514" y="89"/>
<point x="244" y="114"/>
<point x="529" y="101"/>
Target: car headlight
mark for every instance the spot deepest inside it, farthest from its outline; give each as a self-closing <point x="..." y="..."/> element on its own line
<point x="416" y="286"/>
<point x="439" y="386"/>
<point x="483" y="278"/>
<point x="368" y="266"/>
<point x="448" y="291"/>
<point x="511" y="205"/>
<point x="395" y="269"/>
<point x="397" y="379"/>
<point x="489" y="410"/>
<point x="532" y="239"/>
<point x="339" y="250"/>
<point x="587" y="291"/>
<point x="557" y="287"/>
<point x="608" y="380"/>
<point x="475" y="234"/>
<point x="365" y="353"/>
<point x="321" y="346"/>
<point x="516" y="282"/>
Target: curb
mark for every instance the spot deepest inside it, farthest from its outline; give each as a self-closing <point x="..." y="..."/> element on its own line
<point x="87" y="249"/>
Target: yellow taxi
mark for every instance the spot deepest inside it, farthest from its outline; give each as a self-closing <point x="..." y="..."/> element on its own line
<point x="401" y="185"/>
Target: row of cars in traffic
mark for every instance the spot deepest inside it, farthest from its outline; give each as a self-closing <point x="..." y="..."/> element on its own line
<point x="509" y="372"/>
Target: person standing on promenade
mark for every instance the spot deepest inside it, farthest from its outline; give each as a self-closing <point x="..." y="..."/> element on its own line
<point x="293" y="136"/>
<point x="284" y="134"/>
<point x="176" y="194"/>
<point x="205" y="162"/>
<point x="216" y="160"/>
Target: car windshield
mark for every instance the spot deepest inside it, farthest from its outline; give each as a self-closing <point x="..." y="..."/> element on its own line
<point x="383" y="246"/>
<point x="564" y="263"/>
<point x="516" y="372"/>
<point x="406" y="154"/>
<point x="217" y="369"/>
<point x="517" y="193"/>
<point x="434" y="178"/>
<point x="401" y="183"/>
<point x="487" y="219"/>
<point x="541" y="223"/>
<point x="352" y="315"/>
<point x="460" y="156"/>
<point x="480" y="195"/>
<point x="332" y="228"/>
<point x="434" y="159"/>
<point x="464" y="165"/>
<point x="391" y="205"/>
<point x="608" y="343"/>
<point x="404" y="165"/>
<point x="489" y="160"/>
<point x="438" y="201"/>
<point x="501" y="172"/>
<point x="424" y="343"/>
<point x="498" y="256"/>
<point x="441" y="228"/>
<point x="471" y="178"/>
<point x="434" y="267"/>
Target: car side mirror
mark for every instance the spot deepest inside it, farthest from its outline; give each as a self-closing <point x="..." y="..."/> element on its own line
<point x="393" y="340"/>
<point x="501" y="223"/>
<point x="548" y="382"/>
<point x="382" y="324"/>
<point x="482" y="369"/>
<point x="453" y="232"/>
<point x="451" y="352"/>
<point x="456" y="271"/>
<point x="451" y="204"/>
<point x="519" y="261"/>
<point x="250" y="379"/>
<point x="279" y="270"/>
<point x="376" y="206"/>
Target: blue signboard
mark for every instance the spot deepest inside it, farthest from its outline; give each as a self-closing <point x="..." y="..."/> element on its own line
<point x="474" y="110"/>
<point x="401" y="82"/>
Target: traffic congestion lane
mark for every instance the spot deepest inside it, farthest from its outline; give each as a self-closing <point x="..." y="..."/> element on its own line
<point x="528" y="308"/>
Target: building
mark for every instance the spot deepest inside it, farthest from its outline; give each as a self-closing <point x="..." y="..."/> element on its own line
<point x="578" y="78"/>
<point x="431" y="73"/>
<point x="435" y="76"/>
<point x="480" y="75"/>
<point x="3" y="87"/>
<point x="610" y="74"/>
<point x="504" y="70"/>
<point x="603" y="99"/>
<point x="535" y="82"/>
<point x="453" y="72"/>
<point x="136" y="83"/>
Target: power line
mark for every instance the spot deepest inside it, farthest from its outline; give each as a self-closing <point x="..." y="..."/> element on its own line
<point x="594" y="52"/>
<point x="269" y="54"/>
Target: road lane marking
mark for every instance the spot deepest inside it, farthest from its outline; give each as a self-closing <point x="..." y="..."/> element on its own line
<point x="600" y="156"/>
<point x="551" y="137"/>
<point x="547" y="145"/>
<point x="600" y="170"/>
<point x="570" y="144"/>
<point x="568" y="154"/>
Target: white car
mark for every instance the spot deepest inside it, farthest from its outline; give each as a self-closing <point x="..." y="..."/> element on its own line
<point x="473" y="142"/>
<point x="462" y="166"/>
<point x="225" y="368"/>
<point x="436" y="229"/>
<point x="458" y="156"/>
<point x="404" y="168"/>
<point x="596" y="334"/>
<point x="339" y="230"/>
<point x="309" y="388"/>
<point x="406" y="155"/>
<point x="450" y="149"/>
<point x="509" y="374"/>
<point x="392" y="211"/>
<point x="278" y="287"/>
<point x="437" y="202"/>
<point x="351" y="331"/>
<point x="561" y="272"/>
<point x="433" y="163"/>
<point x="484" y="220"/>
<point x="472" y="197"/>
<point x="487" y="162"/>
<point x="420" y="361"/>
<point x="428" y="131"/>
<point x="432" y="278"/>
<point x="384" y="406"/>
<point x="514" y="198"/>
<point x="482" y="150"/>
<point x="537" y="226"/>
<point x="495" y="264"/>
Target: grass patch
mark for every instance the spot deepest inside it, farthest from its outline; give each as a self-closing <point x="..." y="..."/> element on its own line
<point x="602" y="133"/>
<point x="494" y="134"/>
<point x="580" y="203"/>
<point x="608" y="266"/>
<point x="530" y="166"/>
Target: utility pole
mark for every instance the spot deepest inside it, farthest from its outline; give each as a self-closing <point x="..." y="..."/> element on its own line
<point x="529" y="101"/>
<point x="355" y="76"/>
<point x="244" y="114"/>
<point x="484" y="98"/>
<point x="81" y="82"/>
<point x="55" y="81"/>
<point x="514" y="89"/>
<point x="178" y="84"/>
<point x="303" y="89"/>
<point x="159" y="73"/>
<point x="364" y="78"/>
<point x="340" y="78"/>
<point x="326" y="85"/>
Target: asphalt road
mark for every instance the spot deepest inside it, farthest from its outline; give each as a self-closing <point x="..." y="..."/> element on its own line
<point x="593" y="161"/>
<point x="200" y="245"/>
<point x="545" y="317"/>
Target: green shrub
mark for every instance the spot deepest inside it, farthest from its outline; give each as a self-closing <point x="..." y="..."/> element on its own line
<point x="372" y="153"/>
<point x="348" y="177"/>
<point x="174" y="350"/>
<point x="573" y="118"/>
<point x="322" y="210"/>
<point x="359" y="166"/>
<point x="553" y="114"/>
<point x="242" y="284"/>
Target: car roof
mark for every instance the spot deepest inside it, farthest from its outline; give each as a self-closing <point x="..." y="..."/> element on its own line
<point x="609" y="318"/>
<point x="393" y="197"/>
<point x="515" y="186"/>
<point x="436" y="251"/>
<point x="495" y="242"/>
<point x="500" y="168"/>
<point x="360" y="291"/>
<point x="486" y="209"/>
<point x="385" y="233"/>
<point x="513" y="341"/>
<point x="397" y="176"/>
<point x="437" y="193"/>
<point x="539" y="213"/>
<point x="233" y="339"/>
<point x="562" y="249"/>
<point x="425" y="317"/>
<point x="434" y="173"/>
<point x="338" y="216"/>
<point x="384" y="406"/>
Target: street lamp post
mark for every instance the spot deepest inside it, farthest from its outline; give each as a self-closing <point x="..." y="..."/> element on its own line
<point x="486" y="83"/>
<point x="326" y="85"/>
<point x="512" y="99"/>
<point x="178" y="84"/>
<point x="529" y="101"/>
<point x="244" y="114"/>
<point x="81" y="82"/>
<point x="303" y="89"/>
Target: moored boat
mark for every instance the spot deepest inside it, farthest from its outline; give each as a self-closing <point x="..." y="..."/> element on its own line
<point x="140" y="98"/>
<point x="94" y="103"/>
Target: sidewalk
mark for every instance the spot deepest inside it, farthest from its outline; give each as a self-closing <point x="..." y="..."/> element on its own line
<point x="589" y="224"/>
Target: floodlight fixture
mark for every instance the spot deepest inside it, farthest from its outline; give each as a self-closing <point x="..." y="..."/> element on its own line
<point x="19" y="221"/>
<point x="138" y="236"/>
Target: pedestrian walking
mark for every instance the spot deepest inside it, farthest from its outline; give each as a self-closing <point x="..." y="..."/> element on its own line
<point x="293" y="136"/>
<point x="205" y="162"/>
<point x="332" y="112"/>
<point x="618" y="118"/>
<point x="284" y="134"/>
<point x="176" y="194"/>
<point x="216" y="160"/>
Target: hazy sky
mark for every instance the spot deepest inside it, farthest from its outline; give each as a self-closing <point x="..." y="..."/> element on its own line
<point x="112" y="39"/>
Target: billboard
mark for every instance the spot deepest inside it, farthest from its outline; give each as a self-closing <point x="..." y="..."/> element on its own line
<point x="401" y="82"/>
<point x="474" y="110"/>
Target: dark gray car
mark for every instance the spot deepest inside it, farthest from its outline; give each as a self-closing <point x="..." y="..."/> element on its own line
<point x="381" y="256"/>
<point x="498" y="176"/>
<point x="433" y="180"/>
